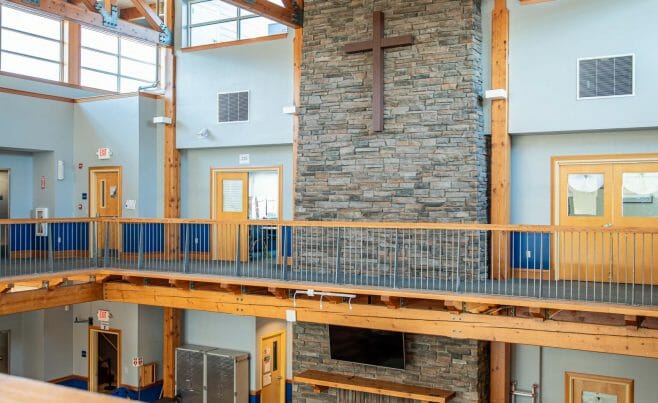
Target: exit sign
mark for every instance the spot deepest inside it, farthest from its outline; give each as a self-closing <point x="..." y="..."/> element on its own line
<point x="103" y="315"/>
<point x="104" y="153"/>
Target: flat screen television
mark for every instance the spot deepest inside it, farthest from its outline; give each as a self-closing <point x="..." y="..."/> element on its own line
<point x="367" y="346"/>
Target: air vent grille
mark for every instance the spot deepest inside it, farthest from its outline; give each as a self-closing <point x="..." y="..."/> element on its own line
<point x="233" y="107"/>
<point x="605" y="77"/>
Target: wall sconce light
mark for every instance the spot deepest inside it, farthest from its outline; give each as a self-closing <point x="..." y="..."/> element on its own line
<point x="203" y="134"/>
<point x="60" y="170"/>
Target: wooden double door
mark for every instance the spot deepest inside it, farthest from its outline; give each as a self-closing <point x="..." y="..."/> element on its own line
<point x="621" y="195"/>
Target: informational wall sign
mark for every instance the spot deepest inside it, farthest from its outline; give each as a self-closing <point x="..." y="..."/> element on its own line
<point x="243" y="159"/>
<point x="105" y="325"/>
<point x="43" y="183"/>
<point x="103" y="315"/>
<point x="104" y="153"/>
<point x="138" y="361"/>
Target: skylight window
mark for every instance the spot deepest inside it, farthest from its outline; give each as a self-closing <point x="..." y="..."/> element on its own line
<point x="213" y="21"/>
<point x="115" y="63"/>
<point x="30" y="44"/>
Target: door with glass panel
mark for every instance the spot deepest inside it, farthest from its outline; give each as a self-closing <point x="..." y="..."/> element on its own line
<point x="619" y="195"/>
<point x="585" y="201"/>
<point x="231" y="204"/>
<point x="636" y="206"/>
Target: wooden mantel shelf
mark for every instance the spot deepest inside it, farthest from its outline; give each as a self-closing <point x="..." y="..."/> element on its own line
<point x="324" y="380"/>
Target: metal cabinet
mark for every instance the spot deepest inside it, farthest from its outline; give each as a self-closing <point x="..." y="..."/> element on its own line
<point x="212" y="375"/>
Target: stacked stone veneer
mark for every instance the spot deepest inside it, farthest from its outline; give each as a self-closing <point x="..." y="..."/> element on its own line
<point x="459" y="365"/>
<point x="428" y="165"/>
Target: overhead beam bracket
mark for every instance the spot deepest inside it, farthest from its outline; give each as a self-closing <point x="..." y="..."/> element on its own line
<point x="297" y="15"/>
<point x="110" y="19"/>
<point x="166" y="37"/>
<point x="33" y="2"/>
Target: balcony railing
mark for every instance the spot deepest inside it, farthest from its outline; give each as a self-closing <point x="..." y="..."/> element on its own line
<point x="605" y="265"/>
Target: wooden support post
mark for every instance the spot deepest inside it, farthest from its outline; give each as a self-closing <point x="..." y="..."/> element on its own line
<point x="171" y="153"/>
<point x="73" y="47"/>
<point x="500" y="188"/>
<point x="499" y="387"/>
<point x="500" y="142"/>
<point x="171" y="340"/>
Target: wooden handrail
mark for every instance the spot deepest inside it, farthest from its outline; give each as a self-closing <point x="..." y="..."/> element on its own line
<point x="547" y="229"/>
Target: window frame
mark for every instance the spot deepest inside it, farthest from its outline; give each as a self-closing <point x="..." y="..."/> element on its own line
<point x="118" y="76"/>
<point x="632" y="94"/>
<point x="238" y="19"/>
<point x="61" y="42"/>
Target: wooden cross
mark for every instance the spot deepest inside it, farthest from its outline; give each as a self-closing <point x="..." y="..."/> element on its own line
<point x="377" y="45"/>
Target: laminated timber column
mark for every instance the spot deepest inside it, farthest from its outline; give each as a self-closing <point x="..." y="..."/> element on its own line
<point x="500" y="188"/>
<point x="172" y="317"/>
<point x="73" y="50"/>
<point x="170" y="341"/>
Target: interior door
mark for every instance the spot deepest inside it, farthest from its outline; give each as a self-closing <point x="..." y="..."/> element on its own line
<point x="4" y="211"/>
<point x="272" y="369"/>
<point x="583" y="388"/>
<point x="4" y="352"/>
<point x="231" y="204"/>
<point x="636" y="206"/>
<point x="585" y="201"/>
<point x="107" y="204"/>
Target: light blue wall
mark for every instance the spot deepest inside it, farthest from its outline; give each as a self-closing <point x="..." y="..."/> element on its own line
<point x="125" y="126"/>
<point x="40" y="125"/>
<point x="20" y="179"/>
<point x="555" y="362"/>
<point x="264" y="69"/>
<point x="222" y="331"/>
<point x="546" y="39"/>
<point x="195" y="174"/>
<point x="531" y="164"/>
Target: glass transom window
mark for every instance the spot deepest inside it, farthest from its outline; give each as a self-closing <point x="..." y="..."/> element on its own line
<point x="30" y="44"/>
<point x="114" y="63"/>
<point x="213" y="21"/>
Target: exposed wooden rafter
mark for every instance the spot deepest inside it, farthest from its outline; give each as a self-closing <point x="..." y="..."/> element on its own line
<point x="290" y="15"/>
<point x="81" y="15"/>
<point x="132" y="13"/>
<point x="153" y="20"/>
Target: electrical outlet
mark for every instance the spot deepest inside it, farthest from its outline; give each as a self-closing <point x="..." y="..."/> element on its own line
<point x="196" y="241"/>
<point x="528" y="254"/>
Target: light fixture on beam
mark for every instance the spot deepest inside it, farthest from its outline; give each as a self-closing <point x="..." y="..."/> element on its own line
<point x="495" y="94"/>
<point x="312" y="293"/>
<point x="161" y="120"/>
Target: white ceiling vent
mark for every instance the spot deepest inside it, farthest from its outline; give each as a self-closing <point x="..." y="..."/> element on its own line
<point x="606" y="77"/>
<point x="233" y="107"/>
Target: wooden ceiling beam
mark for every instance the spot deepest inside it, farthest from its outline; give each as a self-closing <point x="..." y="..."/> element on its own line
<point x="549" y="333"/>
<point x="152" y="18"/>
<point x="43" y="298"/>
<point x="284" y="15"/>
<point x="81" y="15"/>
<point x="133" y="13"/>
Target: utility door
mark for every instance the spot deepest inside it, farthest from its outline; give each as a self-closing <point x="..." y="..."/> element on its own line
<point x="106" y="203"/>
<point x="231" y="204"/>
<point x="4" y="351"/>
<point x="272" y="356"/>
<point x="618" y="195"/>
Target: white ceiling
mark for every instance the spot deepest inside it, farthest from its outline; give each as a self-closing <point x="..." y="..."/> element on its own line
<point x="38" y="87"/>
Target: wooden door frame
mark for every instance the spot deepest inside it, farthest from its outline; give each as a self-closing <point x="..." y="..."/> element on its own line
<point x="8" y="358"/>
<point x="92" y="189"/>
<point x="91" y="199"/>
<point x="283" y="364"/>
<point x="571" y="377"/>
<point x="93" y="354"/>
<point x="214" y="171"/>
<point x="573" y="160"/>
